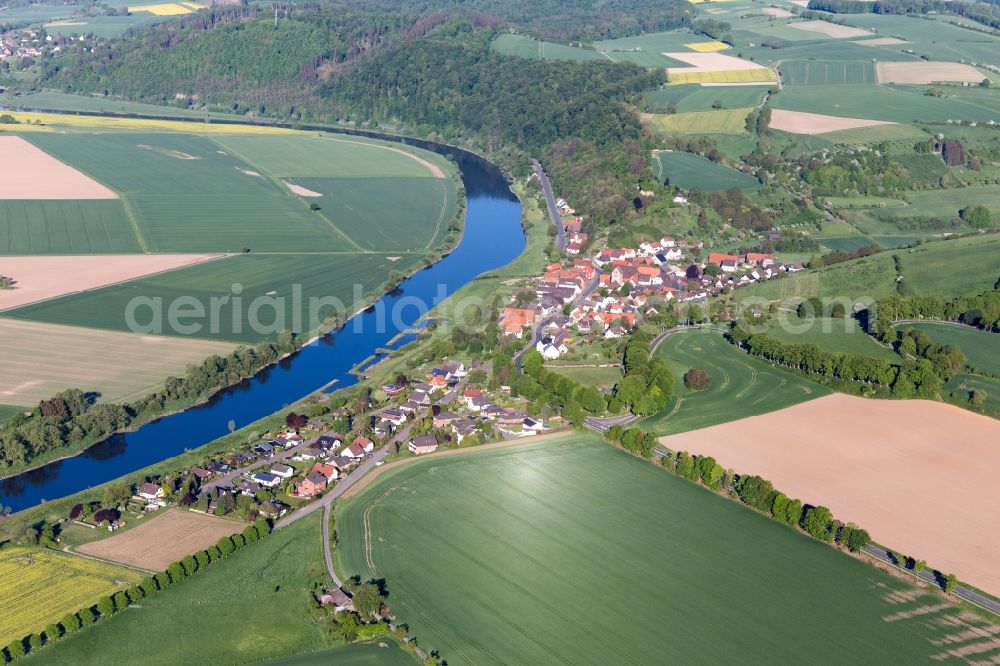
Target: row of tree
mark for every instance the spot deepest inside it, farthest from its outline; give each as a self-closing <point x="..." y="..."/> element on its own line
<point x="981" y="12"/>
<point x="73" y="418"/>
<point x="546" y="388"/>
<point x="981" y="311"/>
<point x="109" y="606"/>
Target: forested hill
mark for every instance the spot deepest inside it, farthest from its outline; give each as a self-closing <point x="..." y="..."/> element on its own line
<point x="427" y="72"/>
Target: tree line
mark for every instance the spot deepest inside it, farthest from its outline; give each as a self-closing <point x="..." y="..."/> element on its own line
<point x="981" y="311"/>
<point x="544" y="388"/>
<point x="980" y="12"/>
<point x="73" y="418"/>
<point x="108" y="606"/>
<point x="648" y="383"/>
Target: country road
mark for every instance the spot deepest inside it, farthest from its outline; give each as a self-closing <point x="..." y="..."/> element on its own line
<point x="928" y="576"/>
<point x="550" y="201"/>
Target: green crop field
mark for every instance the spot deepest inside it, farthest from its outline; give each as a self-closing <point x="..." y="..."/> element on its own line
<point x="728" y="121"/>
<point x="265" y="278"/>
<point x="654" y="42"/>
<point x="188" y="193"/>
<point x="65" y="227"/>
<point x="933" y="36"/>
<point x="741" y="385"/>
<point x="834" y="335"/>
<point x="693" y="97"/>
<point x="388" y="214"/>
<point x="929" y="211"/>
<point x="846" y="243"/>
<point x="981" y="347"/>
<point x="884" y="102"/>
<point x="385" y="653"/>
<point x="826" y="72"/>
<point x="59" y="101"/>
<point x="570" y="550"/>
<point x="688" y="171"/>
<point x="872" y="276"/>
<point x="214" y="610"/>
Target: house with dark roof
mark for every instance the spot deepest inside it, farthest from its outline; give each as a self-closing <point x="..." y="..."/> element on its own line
<point x="425" y="444"/>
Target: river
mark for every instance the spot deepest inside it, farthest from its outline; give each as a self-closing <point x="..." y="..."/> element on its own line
<point x="492" y="238"/>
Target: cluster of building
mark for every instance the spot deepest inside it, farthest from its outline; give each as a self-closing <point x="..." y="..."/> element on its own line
<point x="25" y="44"/>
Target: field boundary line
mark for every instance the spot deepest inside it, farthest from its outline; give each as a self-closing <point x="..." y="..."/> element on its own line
<point x="134" y="221"/>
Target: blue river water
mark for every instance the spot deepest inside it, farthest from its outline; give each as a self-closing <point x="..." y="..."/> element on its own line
<point x="493" y="238"/>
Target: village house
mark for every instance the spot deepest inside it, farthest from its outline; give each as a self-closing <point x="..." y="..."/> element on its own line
<point x="445" y="419"/>
<point x="425" y="444"/>
<point x="201" y="474"/>
<point x="149" y="491"/>
<point x="329" y="471"/>
<point x="338" y="599"/>
<point x="463" y="428"/>
<point x="357" y="449"/>
<point x="265" y="479"/>
<point x="314" y="484"/>
<point x="283" y="471"/>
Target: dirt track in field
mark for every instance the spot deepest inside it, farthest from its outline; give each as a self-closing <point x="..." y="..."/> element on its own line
<point x="31" y="173"/>
<point x="160" y="541"/>
<point x="42" y="277"/>
<point x="918" y="475"/>
<point x="800" y="122"/>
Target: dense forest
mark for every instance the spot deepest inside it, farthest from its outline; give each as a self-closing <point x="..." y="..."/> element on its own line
<point x="986" y="13"/>
<point x="430" y="74"/>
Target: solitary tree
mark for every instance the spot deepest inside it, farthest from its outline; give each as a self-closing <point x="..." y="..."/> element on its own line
<point x="697" y="379"/>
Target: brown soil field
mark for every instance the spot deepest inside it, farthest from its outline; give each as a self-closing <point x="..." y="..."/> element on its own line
<point x="39" y="360"/>
<point x="916" y="474"/>
<point x="710" y="62"/>
<point x="301" y="191"/>
<point x="31" y="173"/>
<point x="800" y="122"/>
<point x="882" y="41"/>
<point x="161" y="541"/>
<point x="43" y="277"/>
<point x="831" y="30"/>
<point x="927" y="72"/>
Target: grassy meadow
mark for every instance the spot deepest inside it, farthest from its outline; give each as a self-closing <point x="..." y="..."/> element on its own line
<point x="741" y="385"/>
<point x="384" y="653"/>
<point x="982" y="348"/>
<point x="832" y="334"/>
<point x="39" y="586"/>
<point x="952" y="268"/>
<point x="591" y="376"/>
<point x="688" y="171"/>
<point x="252" y="606"/>
<point x="259" y="275"/>
<point x="505" y="556"/>
<point x="902" y="104"/>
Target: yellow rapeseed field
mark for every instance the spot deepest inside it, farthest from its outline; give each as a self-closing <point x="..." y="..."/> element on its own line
<point x="168" y="8"/>
<point x="761" y="75"/>
<point x="38" y="587"/>
<point x="707" y="47"/>
<point x="193" y="126"/>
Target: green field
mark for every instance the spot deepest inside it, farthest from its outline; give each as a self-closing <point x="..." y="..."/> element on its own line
<point x="693" y="97"/>
<point x="962" y="384"/>
<point x="953" y="268"/>
<point x="7" y="411"/>
<point x="249" y="607"/>
<point x="65" y="227"/>
<point x="981" y="347"/>
<point x="887" y="102"/>
<point x="526" y="47"/>
<point x="654" y="42"/>
<point x="572" y="551"/>
<point x="933" y="36"/>
<point x="846" y="243"/>
<point x="261" y="276"/>
<point x="826" y="72"/>
<point x="59" y="101"/>
<point x="833" y="335"/>
<point x="187" y="193"/>
<point x="928" y="211"/>
<point x="728" y="121"/>
<point x="687" y="170"/>
<point x="364" y="654"/>
<point x="590" y="376"/>
<point x="741" y="385"/>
